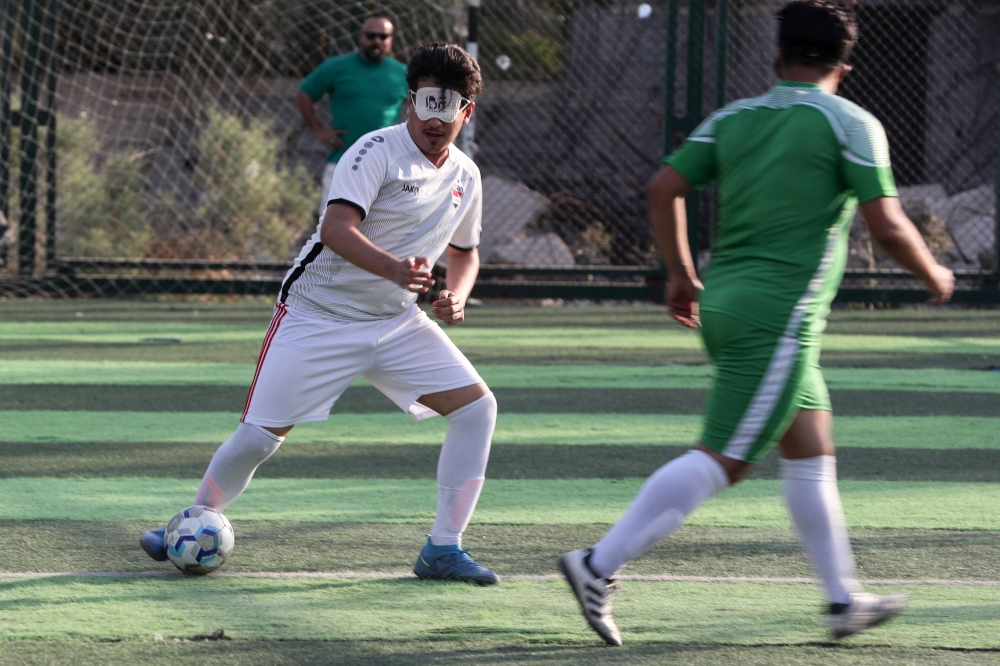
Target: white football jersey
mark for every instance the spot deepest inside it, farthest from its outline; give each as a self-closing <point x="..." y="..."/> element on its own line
<point x="410" y="208"/>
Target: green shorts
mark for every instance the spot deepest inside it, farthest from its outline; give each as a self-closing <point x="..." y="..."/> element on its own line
<point x="762" y="380"/>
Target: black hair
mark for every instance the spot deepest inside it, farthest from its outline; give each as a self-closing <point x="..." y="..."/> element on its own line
<point x="817" y="33"/>
<point x="449" y="65"/>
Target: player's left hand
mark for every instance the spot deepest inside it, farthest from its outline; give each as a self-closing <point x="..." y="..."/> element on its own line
<point x="449" y="308"/>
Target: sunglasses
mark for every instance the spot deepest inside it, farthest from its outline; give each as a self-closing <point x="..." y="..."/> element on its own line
<point x="384" y="36"/>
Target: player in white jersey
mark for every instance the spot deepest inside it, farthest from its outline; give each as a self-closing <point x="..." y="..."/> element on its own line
<point x="400" y="198"/>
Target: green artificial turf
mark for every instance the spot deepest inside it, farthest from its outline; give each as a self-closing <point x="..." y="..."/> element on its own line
<point x="247" y="352"/>
<point x="153" y="334"/>
<point x="512" y="550"/>
<point x="923" y="321"/>
<point x="565" y="400"/>
<point x="910" y="518"/>
<point x="930" y="432"/>
<point x="753" y="503"/>
<point x="419" y="461"/>
<point x="518" y="611"/>
<point x="496" y="375"/>
<point x="482" y="649"/>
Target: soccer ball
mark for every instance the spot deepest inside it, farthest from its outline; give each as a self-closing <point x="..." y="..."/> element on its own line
<point x="199" y="540"/>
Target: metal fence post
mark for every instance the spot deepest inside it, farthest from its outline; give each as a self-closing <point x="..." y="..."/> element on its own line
<point x="695" y="85"/>
<point x="31" y="26"/>
<point x="669" y="121"/>
<point x="6" y="43"/>
<point x="472" y="47"/>
<point x="996" y="205"/>
<point x="721" y="35"/>
<point x="48" y="44"/>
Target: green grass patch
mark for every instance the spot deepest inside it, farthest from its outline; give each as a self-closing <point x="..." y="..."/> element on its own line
<point x="558" y="336"/>
<point x="284" y="546"/>
<point x="564" y="400"/>
<point x="754" y="503"/>
<point x="516" y="611"/>
<point x="496" y="375"/>
<point x="549" y="356"/>
<point x="922" y="321"/>
<point x="930" y="432"/>
<point x="321" y="460"/>
<point x="478" y="650"/>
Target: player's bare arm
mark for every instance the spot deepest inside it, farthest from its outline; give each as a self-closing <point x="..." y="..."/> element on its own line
<point x="463" y="267"/>
<point x="901" y="240"/>
<point x="307" y="108"/>
<point x="340" y="233"/>
<point x="665" y="194"/>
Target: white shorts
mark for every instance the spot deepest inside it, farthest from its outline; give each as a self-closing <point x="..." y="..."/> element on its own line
<point x="306" y="363"/>
<point x="327" y="182"/>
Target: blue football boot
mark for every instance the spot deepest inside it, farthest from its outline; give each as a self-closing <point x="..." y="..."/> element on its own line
<point x="152" y="543"/>
<point x="451" y="563"/>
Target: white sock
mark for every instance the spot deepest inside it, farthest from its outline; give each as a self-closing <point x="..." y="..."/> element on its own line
<point x="665" y="500"/>
<point x="462" y="468"/>
<point x="814" y="502"/>
<point x="234" y="463"/>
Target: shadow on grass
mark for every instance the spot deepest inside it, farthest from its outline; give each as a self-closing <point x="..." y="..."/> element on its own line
<point x="201" y="649"/>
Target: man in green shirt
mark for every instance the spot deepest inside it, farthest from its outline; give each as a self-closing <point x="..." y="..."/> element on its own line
<point x="792" y="166"/>
<point x="366" y="88"/>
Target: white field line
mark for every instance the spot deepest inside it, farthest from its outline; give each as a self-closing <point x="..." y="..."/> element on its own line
<point x="390" y="575"/>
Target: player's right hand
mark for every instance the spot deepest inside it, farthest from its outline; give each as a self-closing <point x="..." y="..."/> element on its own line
<point x="414" y="274"/>
<point x="331" y="137"/>
<point x="940" y="281"/>
<point x="682" y="300"/>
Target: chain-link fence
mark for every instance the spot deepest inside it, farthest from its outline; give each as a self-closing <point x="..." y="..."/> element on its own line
<point x="155" y="146"/>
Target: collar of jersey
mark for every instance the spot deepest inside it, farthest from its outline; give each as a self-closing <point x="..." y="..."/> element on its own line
<point x="798" y="84"/>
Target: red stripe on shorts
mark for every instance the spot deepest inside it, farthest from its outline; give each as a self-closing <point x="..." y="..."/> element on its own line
<point x="271" y="331"/>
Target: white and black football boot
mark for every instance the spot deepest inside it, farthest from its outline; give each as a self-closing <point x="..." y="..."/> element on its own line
<point x="593" y="593"/>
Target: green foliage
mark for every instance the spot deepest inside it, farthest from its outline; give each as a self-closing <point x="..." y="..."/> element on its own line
<point x="100" y="211"/>
<point x="249" y="205"/>
<point x="532" y="35"/>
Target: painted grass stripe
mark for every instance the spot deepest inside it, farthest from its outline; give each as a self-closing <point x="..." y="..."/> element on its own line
<point x="874" y="504"/>
<point x="419" y="461"/>
<point x="497" y="376"/>
<point x="565" y="400"/>
<point x="517" y="549"/>
<point x="930" y="432"/>
<point x="480" y="645"/>
<point x="532" y="611"/>
<point x="559" y="336"/>
<point x="549" y="356"/>
<point x="509" y="549"/>
<point x="406" y="575"/>
<point x="258" y="310"/>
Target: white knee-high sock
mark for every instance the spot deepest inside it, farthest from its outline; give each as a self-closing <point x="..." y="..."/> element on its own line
<point x="814" y="502"/>
<point x="665" y="500"/>
<point x="462" y="468"/>
<point x="234" y="463"/>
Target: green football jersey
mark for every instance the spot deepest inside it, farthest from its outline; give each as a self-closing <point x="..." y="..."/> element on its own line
<point x="791" y="166"/>
<point x="364" y="96"/>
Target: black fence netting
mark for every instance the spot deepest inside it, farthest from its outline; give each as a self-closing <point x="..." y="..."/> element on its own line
<point x="155" y="146"/>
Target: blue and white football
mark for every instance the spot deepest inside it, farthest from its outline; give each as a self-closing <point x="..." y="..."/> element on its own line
<point x="199" y="540"/>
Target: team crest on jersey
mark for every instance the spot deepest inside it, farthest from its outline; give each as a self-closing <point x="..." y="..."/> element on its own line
<point x="456" y="195"/>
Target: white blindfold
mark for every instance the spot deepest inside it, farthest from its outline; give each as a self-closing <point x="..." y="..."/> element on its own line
<point x="445" y="105"/>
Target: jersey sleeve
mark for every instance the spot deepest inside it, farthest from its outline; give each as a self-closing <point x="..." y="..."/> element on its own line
<point x="360" y="174"/>
<point x="696" y="158"/>
<point x="321" y="80"/>
<point x="467" y="232"/>
<point x="865" y="160"/>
